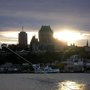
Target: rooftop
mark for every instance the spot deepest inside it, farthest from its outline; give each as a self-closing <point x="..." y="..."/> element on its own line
<point x="46" y="29"/>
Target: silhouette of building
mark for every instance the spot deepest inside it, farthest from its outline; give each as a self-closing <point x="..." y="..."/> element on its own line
<point x="45" y="35"/>
<point x="22" y="38"/>
<point x="34" y="44"/>
<point x="46" y="38"/>
<point x="46" y="41"/>
<point x="87" y="48"/>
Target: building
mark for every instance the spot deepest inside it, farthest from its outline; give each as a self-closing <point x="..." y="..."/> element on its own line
<point x="34" y="44"/>
<point x="45" y="38"/>
<point x="74" y="64"/>
<point x="87" y="47"/>
<point x="22" y="38"/>
<point x="45" y="35"/>
<point x="46" y="41"/>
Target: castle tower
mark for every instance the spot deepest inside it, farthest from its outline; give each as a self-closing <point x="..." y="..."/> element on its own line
<point x="45" y="35"/>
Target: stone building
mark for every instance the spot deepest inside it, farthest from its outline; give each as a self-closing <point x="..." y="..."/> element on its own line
<point x="46" y="35"/>
<point x="46" y="38"/>
<point x="46" y="41"/>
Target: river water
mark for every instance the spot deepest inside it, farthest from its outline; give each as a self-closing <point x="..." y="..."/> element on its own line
<point x="56" y="81"/>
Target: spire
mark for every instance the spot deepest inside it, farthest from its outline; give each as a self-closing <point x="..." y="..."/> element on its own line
<point x="22" y="28"/>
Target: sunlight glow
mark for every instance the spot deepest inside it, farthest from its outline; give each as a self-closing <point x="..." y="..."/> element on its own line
<point x="12" y="37"/>
<point x="9" y="37"/>
<point x="70" y="85"/>
<point x="68" y="36"/>
<point x="10" y="34"/>
<point x="30" y="35"/>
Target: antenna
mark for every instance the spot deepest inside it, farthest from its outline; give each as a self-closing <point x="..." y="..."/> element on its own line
<point x="22" y="28"/>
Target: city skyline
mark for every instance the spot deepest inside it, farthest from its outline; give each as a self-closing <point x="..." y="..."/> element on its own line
<point x="12" y="37"/>
<point x="72" y="15"/>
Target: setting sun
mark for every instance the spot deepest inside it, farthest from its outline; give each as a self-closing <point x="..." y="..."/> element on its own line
<point x="68" y="36"/>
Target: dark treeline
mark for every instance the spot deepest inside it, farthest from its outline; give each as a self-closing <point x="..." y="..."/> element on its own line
<point x="46" y="57"/>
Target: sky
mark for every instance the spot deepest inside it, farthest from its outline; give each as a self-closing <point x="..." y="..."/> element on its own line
<point x="73" y="15"/>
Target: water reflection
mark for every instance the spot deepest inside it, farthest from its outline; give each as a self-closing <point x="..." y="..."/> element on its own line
<point x="70" y="85"/>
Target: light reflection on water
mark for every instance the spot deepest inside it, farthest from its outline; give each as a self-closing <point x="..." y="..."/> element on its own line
<point x="70" y="85"/>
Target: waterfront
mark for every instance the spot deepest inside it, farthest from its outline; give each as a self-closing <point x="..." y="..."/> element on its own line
<point x="56" y="81"/>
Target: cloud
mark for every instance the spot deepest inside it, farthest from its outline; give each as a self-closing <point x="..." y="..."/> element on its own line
<point x="44" y="5"/>
<point x="38" y="18"/>
<point x="8" y="40"/>
<point x="32" y="14"/>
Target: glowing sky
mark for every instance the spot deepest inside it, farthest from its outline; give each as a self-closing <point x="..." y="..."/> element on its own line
<point x="32" y="14"/>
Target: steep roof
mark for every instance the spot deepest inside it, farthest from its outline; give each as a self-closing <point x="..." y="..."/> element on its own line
<point x="46" y="29"/>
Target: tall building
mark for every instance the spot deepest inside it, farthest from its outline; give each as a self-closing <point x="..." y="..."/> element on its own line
<point x="22" y="38"/>
<point x="45" y="35"/>
<point x="46" y="41"/>
<point x="46" y="38"/>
